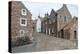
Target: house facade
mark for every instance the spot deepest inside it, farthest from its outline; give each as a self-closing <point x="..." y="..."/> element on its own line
<point x="21" y="21"/>
<point x="71" y="29"/>
<point x="52" y="27"/>
<point x="63" y="18"/>
<point x="44" y="23"/>
<point x="34" y="25"/>
<point x="57" y="24"/>
<point x="38" y="24"/>
<point x="49" y="25"/>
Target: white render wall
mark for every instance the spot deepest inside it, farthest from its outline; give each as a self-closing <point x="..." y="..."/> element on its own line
<point x="38" y="25"/>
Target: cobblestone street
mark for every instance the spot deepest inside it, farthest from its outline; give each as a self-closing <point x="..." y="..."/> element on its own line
<point x="45" y="42"/>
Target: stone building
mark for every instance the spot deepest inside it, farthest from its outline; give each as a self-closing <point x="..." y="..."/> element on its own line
<point x="21" y="21"/>
<point x="52" y="25"/>
<point x="66" y="25"/>
<point x="60" y="24"/>
<point x="49" y="23"/>
<point x="63" y="18"/>
<point x="71" y="29"/>
<point x="44" y="22"/>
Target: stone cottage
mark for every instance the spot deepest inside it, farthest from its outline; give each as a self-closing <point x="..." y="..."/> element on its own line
<point x="21" y="21"/>
<point x="60" y="24"/>
<point x="63" y="18"/>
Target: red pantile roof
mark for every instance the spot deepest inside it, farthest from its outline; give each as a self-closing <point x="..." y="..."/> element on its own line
<point x="70" y="24"/>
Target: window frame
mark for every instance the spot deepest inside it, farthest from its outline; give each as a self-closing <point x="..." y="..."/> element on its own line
<point x="21" y="35"/>
<point x="23" y="13"/>
<point x="21" y="22"/>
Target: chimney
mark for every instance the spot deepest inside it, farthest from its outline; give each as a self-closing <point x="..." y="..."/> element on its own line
<point x="64" y="5"/>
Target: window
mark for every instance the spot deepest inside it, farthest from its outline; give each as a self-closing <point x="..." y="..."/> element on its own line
<point x="64" y="18"/>
<point x="23" y="12"/>
<point x="23" y="22"/>
<point x="21" y="32"/>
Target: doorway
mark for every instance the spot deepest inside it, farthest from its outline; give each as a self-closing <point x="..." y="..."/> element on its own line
<point x="75" y="35"/>
<point x="62" y="33"/>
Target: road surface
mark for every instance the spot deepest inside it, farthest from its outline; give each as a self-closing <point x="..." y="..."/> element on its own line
<point x="45" y="42"/>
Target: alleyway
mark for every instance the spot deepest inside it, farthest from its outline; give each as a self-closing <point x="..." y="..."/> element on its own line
<point x="45" y="42"/>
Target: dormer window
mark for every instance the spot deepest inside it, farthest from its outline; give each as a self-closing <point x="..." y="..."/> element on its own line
<point x="23" y="12"/>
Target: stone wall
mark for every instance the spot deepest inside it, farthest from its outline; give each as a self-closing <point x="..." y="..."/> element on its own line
<point x="15" y="20"/>
<point x="62" y="14"/>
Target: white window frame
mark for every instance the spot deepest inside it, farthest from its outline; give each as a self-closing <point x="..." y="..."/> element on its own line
<point x="25" y="22"/>
<point x="21" y="35"/>
<point x="23" y="13"/>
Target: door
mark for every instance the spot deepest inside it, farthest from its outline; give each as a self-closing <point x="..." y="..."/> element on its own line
<point x="62" y="34"/>
<point x="75" y="34"/>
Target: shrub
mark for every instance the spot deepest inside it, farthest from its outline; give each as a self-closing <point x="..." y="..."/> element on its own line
<point x="21" y="41"/>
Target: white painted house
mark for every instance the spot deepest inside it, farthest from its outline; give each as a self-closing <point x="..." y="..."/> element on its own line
<point x="38" y="24"/>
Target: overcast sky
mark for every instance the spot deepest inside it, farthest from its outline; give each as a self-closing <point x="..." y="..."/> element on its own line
<point x="42" y="8"/>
